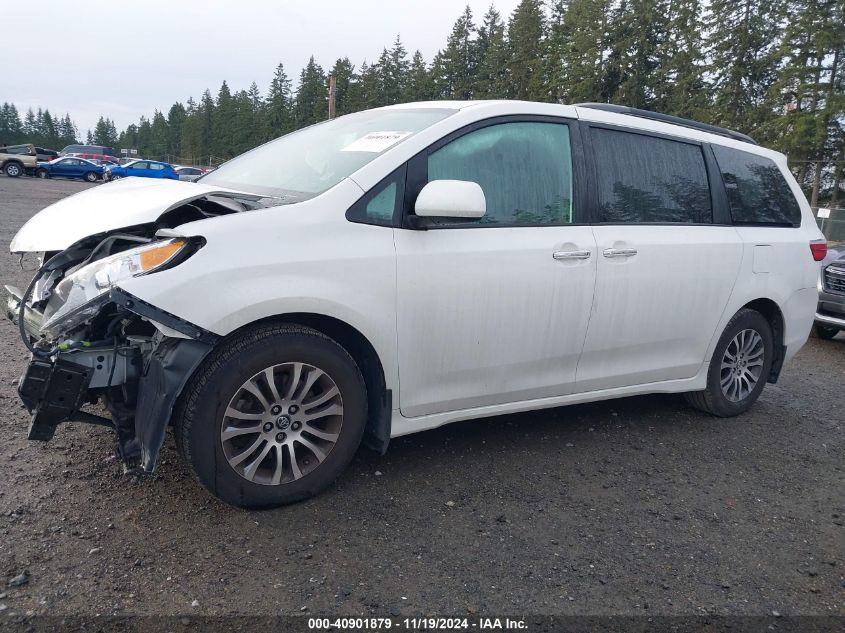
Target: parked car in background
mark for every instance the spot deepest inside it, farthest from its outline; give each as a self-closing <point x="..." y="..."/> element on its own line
<point x="142" y="169"/>
<point x="189" y="173"/>
<point x="397" y="269"/>
<point x="16" y="160"/>
<point x="70" y="167"/>
<point x="830" y="315"/>
<point x="90" y="150"/>
<point x="45" y="155"/>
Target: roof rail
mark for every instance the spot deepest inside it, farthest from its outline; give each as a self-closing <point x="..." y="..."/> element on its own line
<point x="668" y="118"/>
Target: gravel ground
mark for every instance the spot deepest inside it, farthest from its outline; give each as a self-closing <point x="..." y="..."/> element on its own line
<point x="635" y="506"/>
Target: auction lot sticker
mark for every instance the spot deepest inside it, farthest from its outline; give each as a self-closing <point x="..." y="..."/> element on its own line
<point x="375" y="142"/>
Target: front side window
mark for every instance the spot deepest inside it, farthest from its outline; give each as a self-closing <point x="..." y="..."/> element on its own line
<point x="524" y="169"/>
<point x="757" y="191"/>
<point x="646" y="179"/>
<point x="138" y="166"/>
<point x="305" y="163"/>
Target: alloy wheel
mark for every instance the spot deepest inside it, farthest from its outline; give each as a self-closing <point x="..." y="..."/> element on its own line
<point x="282" y="423"/>
<point x="742" y="365"/>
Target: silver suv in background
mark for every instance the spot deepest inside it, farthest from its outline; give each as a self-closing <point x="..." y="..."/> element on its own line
<point x="830" y="315"/>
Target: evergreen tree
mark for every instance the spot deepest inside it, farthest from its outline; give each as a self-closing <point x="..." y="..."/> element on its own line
<point x="457" y="63"/>
<point x="637" y="31"/>
<point x="492" y="55"/>
<point x="576" y="50"/>
<point x="159" y="142"/>
<point x="105" y="132"/>
<point x="311" y="104"/>
<point x="394" y="68"/>
<point x="222" y="138"/>
<point x="743" y="40"/>
<point x="525" y="39"/>
<point x="680" y="81"/>
<point x="418" y="86"/>
<point x="10" y="124"/>
<point x="809" y="88"/>
<point x="30" y="129"/>
<point x="278" y="107"/>
<point x="175" y="123"/>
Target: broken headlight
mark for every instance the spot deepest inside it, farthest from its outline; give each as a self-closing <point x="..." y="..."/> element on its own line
<point x="81" y="294"/>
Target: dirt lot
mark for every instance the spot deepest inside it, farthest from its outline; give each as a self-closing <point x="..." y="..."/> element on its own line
<point x="636" y="506"/>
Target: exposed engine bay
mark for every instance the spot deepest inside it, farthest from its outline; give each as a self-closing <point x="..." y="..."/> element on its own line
<point x="92" y="342"/>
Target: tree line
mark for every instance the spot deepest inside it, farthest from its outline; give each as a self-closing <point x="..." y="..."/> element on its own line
<point x="39" y="128"/>
<point x="774" y="69"/>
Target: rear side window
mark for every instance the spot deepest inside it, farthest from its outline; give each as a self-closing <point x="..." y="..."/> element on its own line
<point x="757" y="191"/>
<point x="645" y="179"/>
<point x="156" y="166"/>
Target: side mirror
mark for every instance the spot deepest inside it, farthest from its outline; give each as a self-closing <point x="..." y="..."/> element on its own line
<point x="458" y="199"/>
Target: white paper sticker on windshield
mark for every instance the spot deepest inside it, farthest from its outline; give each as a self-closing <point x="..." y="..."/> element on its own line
<point x="375" y="142"/>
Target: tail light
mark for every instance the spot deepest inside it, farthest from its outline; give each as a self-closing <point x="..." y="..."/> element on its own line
<point x="818" y="249"/>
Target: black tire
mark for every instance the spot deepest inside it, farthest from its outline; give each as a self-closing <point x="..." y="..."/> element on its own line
<point x="713" y="400"/>
<point x="91" y="176"/>
<point x="200" y="415"/>
<point x="13" y="169"/>
<point x="42" y="173"/>
<point x="825" y="332"/>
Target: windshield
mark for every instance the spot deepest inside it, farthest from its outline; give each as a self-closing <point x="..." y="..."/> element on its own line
<point x="303" y="164"/>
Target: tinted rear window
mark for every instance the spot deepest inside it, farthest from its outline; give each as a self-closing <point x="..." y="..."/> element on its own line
<point x="757" y="191"/>
<point x="645" y="179"/>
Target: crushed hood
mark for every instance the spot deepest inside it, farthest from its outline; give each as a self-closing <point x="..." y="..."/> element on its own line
<point x="111" y="206"/>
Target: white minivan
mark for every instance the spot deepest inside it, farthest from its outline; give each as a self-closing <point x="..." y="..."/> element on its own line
<point x="397" y="269"/>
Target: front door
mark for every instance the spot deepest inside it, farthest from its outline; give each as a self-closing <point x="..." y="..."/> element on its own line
<point x="665" y="268"/>
<point x="495" y="311"/>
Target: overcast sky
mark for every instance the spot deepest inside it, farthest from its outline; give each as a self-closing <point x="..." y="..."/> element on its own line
<point x="124" y="59"/>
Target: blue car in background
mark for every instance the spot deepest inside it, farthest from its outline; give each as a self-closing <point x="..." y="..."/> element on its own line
<point x="142" y="168"/>
<point x="70" y="167"/>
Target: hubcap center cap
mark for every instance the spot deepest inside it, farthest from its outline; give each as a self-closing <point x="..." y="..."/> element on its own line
<point x="283" y="422"/>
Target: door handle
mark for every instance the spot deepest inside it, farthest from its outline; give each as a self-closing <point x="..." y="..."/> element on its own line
<point x="619" y="252"/>
<point x="571" y="255"/>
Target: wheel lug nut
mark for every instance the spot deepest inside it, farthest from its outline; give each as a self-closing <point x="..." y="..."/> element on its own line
<point x="296" y="426"/>
<point x="267" y="427"/>
<point x="280" y="437"/>
<point x="293" y="408"/>
<point x="275" y="409"/>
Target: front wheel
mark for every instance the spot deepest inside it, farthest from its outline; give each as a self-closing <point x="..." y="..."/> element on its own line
<point x="42" y="173"/>
<point x="273" y="417"/>
<point x="825" y="332"/>
<point x="739" y="368"/>
<point x="91" y="176"/>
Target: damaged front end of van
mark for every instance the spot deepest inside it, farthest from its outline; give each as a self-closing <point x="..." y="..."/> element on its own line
<point x="91" y="341"/>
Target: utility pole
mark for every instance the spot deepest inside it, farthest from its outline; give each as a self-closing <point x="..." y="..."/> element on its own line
<point x="332" y="95"/>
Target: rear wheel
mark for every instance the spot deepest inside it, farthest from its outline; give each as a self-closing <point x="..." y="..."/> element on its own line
<point x="13" y="170"/>
<point x="42" y="173"/>
<point x="739" y="368"/>
<point x="826" y="332"/>
<point x="273" y="417"/>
